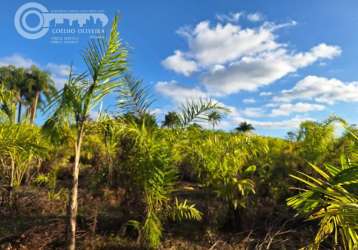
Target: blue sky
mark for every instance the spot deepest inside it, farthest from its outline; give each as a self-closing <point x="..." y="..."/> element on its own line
<point x="272" y="63"/>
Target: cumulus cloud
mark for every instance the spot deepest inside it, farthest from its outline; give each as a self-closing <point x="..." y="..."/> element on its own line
<point x="288" y="108"/>
<point x="180" y="64"/>
<point x="283" y="109"/>
<point x="222" y="43"/>
<point x="292" y="123"/>
<point x="177" y="93"/>
<point x="59" y="73"/>
<point x="16" y="60"/>
<point x="265" y="93"/>
<point x="253" y="112"/>
<point x="251" y="115"/>
<point x="232" y="58"/>
<point x="322" y="90"/>
<point x="252" y="72"/>
<point x="255" y="17"/>
<point x="249" y="100"/>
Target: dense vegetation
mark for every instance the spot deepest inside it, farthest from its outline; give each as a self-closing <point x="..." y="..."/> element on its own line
<point x="134" y="184"/>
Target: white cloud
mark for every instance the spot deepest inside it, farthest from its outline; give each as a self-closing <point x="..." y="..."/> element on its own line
<point x="292" y="123"/>
<point x="322" y="90"/>
<point x="222" y="43"/>
<point x="283" y="109"/>
<point x="180" y="64"/>
<point x="255" y="17"/>
<point x="16" y="60"/>
<point x="250" y="73"/>
<point x="177" y="93"/>
<point x="226" y="43"/>
<point x="94" y="114"/>
<point x="157" y="111"/>
<point x="232" y="58"/>
<point x="231" y="17"/>
<point x="265" y="93"/>
<point x="249" y="100"/>
<point x="287" y="108"/>
<point x="253" y="112"/>
<point x="236" y="117"/>
<point x="59" y="73"/>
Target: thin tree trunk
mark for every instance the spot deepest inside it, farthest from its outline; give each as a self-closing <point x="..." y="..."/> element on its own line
<point x="73" y="196"/>
<point x="11" y="188"/>
<point x="19" y="112"/>
<point x="34" y="107"/>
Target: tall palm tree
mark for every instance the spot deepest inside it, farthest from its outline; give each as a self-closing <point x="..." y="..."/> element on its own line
<point x="14" y="79"/>
<point x="214" y="118"/>
<point x="38" y="83"/>
<point x="244" y="127"/>
<point x="8" y="103"/>
<point x="171" y="120"/>
<point x="106" y="62"/>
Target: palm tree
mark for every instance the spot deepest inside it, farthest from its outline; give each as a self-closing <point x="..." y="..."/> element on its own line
<point x="214" y="118"/>
<point x="291" y="136"/>
<point x="8" y="103"/>
<point x="244" y="127"/>
<point x="14" y="79"/>
<point x="171" y="120"/>
<point x="39" y="83"/>
<point x="106" y="62"/>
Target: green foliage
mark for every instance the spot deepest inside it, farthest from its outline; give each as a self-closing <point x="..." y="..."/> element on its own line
<point x="221" y="163"/>
<point x="22" y="147"/>
<point x="50" y="180"/>
<point x="244" y="127"/>
<point x="184" y="211"/>
<point x="316" y="140"/>
<point x="154" y="173"/>
<point x="214" y="118"/>
<point x="155" y="176"/>
<point x="8" y="103"/>
<point x="133" y="97"/>
<point x="171" y="120"/>
<point x="198" y="110"/>
<point x="106" y="62"/>
<point x="28" y="87"/>
<point x="331" y="197"/>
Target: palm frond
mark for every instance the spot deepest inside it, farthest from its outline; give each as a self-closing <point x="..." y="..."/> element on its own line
<point x="184" y="211"/>
<point x="198" y="110"/>
<point x="331" y="197"/>
<point x="134" y="97"/>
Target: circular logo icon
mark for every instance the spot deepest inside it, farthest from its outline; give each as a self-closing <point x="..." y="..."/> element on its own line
<point x="21" y="20"/>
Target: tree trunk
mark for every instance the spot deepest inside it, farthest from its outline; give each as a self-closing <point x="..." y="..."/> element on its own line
<point x="19" y="112"/>
<point x="73" y="196"/>
<point x="11" y="188"/>
<point x="34" y="107"/>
